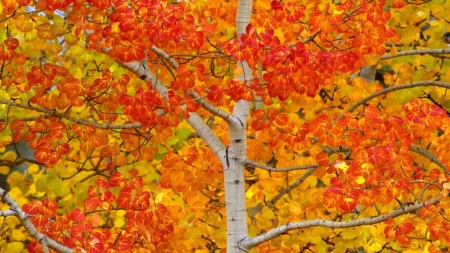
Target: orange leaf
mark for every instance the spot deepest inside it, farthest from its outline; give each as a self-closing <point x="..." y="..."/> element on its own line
<point x="281" y="119"/>
<point x="317" y="126"/>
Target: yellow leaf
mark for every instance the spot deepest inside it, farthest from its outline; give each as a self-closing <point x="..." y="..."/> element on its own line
<point x="267" y="213"/>
<point x="360" y="180"/>
<point x="15" y="246"/>
<point x="193" y="233"/>
<point x="4" y="170"/>
<point x="33" y="169"/>
<point x="375" y="247"/>
<point x="269" y="184"/>
<point x="393" y="50"/>
<point x="280" y="34"/>
<point x="340" y="247"/>
<point x="55" y="48"/>
<point x="349" y="234"/>
<point x="18" y="235"/>
<point x="9" y="156"/>
<point x="118" y="223"/>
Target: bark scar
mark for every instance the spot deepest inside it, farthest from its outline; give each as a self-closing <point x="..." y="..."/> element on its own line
<point x="227" y="158"/>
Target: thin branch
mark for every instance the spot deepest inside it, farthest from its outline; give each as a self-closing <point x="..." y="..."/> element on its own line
<point x="391" y="89"/>
<point x="70" y="118"/>
<point x="248" y="243"/>
<point x="290" y="187"/>
<point x="197" y="98"/>
<point x="432" y="157"/>
<point x="418" y="51"/>
<point x="165" y="56"/>
<point x="211" y="108"/>
<point x="255" y="164"/>
<point x="28" y="225"/>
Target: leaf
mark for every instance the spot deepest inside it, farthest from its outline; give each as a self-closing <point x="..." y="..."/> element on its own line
<point x="116" y="179"/>
<point x="398" y="3"/>
<point x="123" y="243"/>
<point x="77" y="215"/>
<point x="317" y="126"/>
<point x="32" y="208"/>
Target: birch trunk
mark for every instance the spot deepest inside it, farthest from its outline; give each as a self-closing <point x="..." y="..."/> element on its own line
<point x="235" y="156"/>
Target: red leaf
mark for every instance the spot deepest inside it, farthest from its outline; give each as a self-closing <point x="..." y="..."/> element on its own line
<point x="17" y="125"/>
<point x="39" y="220"/>
<point x="63" y="149"/>
<point x="33" y="207"/>
<point x="77" y="215"/>
<point x="322" y="159"/>
<point x="116" y="179"/>
<point x="371" y="112"/>
<point x="123" y="243"/>
<point x="123" y="79"/>
<point x="336" y="19"/>
<point x="91" y="203"/>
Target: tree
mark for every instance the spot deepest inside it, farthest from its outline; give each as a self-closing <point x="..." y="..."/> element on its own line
<point x="225" y="126"/>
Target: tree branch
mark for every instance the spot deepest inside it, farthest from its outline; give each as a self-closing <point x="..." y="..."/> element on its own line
<point x="255" y="164"/>
<point x="249" y="243"/>
<point x="15" y="210"/>
<point x="197" y="98"/>
<point x="290" y="187"/>
<point x="418" y="51"/>
<point x="432" y="157"/>
<point x="194" y="120"/>
<point x="391" y="89"/>
<point x="70" y="118"/>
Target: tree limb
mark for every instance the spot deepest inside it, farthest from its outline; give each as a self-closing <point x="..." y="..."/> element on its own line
<point x="290" y="187"/>
<point x="197" y="98"/>
<point x="255" y="164"/>
<point x="15" y="210"/>
<point x="432" y="157"/>
<point x="249" y="243"/>
<point x="417" y="51"/>
<point x="391" y="89"/>
<point x="70" y="118"/>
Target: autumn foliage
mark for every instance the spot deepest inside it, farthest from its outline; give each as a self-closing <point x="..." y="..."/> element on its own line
<point x="224" y="126"/>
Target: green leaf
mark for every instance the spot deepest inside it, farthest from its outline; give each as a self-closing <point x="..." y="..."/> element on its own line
<point x="41" y="184"/>
<point x="403" y="96"/>
<point x="183" y="133"/>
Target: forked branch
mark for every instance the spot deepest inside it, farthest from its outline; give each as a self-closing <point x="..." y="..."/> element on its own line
<point x="15" y="210"/>
<point x="202" y="102"/>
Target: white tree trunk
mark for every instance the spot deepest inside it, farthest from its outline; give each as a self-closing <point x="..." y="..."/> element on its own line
<point x="236" y="153"/>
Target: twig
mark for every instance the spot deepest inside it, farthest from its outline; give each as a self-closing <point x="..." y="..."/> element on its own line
<point x="302" y="167"/>
<point x="418" y="51"/>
